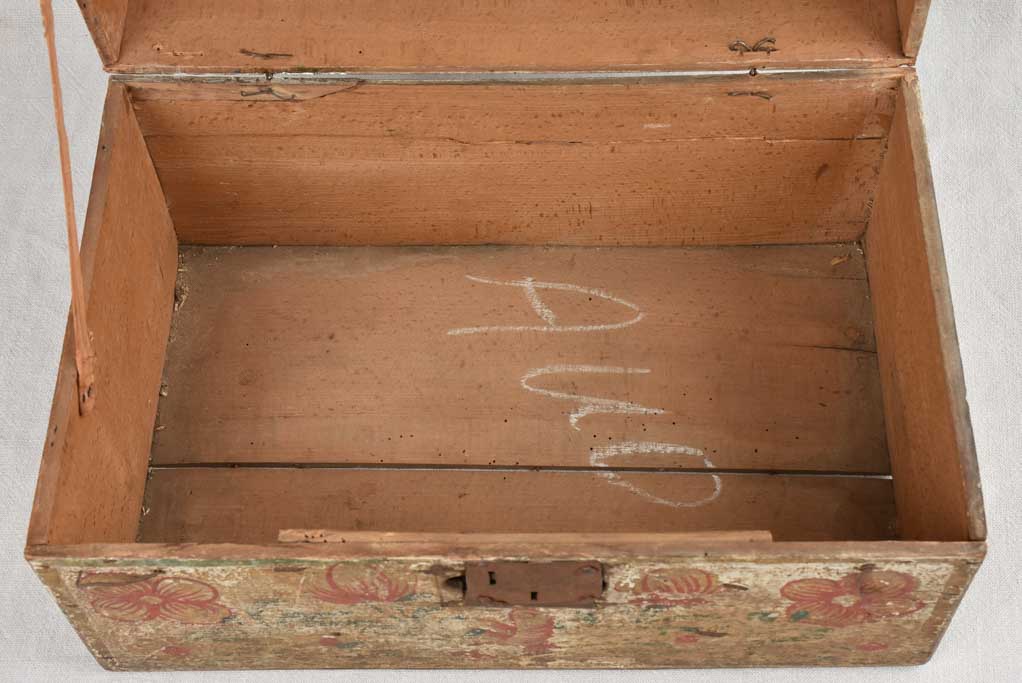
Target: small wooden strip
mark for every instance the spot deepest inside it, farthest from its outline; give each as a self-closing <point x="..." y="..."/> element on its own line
<point x="93" y="469"/>
<point x="933" y="456"/>
<point x="762" y="358"/>
<point x="245" y="505"/>
<point x="85" y="355"/>
<point x="507" y="540"/>
<point x="527" y="35"/>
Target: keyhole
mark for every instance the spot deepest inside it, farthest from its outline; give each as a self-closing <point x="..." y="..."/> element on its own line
<point x="493" y="578"/>
<point x="534" y="596"/>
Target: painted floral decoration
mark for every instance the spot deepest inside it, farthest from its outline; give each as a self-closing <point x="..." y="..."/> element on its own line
<point x="865" y="596"/>
<point x="354" y="584"/>
<point x="685" y="587"/>
<point x="693" y="634"/>
<point x="137" y="598"/>
<point x="527" y="628"/>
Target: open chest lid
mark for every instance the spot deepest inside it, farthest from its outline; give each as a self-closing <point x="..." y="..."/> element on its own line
<point x="225" y="36"/>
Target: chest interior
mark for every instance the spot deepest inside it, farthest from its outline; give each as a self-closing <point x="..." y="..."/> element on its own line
<point x="559" y="303"/>
<point x="556" y="307"/>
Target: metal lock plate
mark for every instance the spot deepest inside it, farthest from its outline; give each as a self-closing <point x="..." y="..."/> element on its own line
<point x="539" y="584"/>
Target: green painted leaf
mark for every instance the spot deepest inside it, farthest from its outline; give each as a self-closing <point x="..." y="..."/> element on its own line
<point x="768" y="617"/>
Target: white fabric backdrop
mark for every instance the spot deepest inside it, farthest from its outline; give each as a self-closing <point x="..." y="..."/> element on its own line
<point x="972" y="90"/>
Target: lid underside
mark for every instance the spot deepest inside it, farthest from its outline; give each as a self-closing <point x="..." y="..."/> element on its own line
<point x="216" y="36"/>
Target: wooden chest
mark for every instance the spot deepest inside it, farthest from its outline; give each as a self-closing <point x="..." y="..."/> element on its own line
<point x="534" y="334"/>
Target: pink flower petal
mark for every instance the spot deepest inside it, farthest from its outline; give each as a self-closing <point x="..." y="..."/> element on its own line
<point x="808" y="590"/>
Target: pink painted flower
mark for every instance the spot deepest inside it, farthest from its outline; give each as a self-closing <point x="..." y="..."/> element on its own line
<point x="865" y="596"/>
<point x="134" y="598"/>
<point x="527" y="628"/>
<point x="684" y="587"/>
<point x="354" y="584"/>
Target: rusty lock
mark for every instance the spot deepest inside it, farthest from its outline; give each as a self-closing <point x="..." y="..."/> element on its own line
<point x="537" y="584"/>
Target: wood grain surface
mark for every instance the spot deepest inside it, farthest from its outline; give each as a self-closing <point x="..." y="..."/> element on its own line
<point x="374" y="35"/>
<point x="761" y="358"/>
<point x="663" y="163"/>
<point x="93" y="469"/>
<point x="252" y="505"/>
<point x="933" y="455"/>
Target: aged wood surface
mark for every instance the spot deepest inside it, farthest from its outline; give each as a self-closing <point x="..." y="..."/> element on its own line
<point x="912" y="18"/>
<point x="370" y="35"/>
<point x="759" y="358"/>
<point x="106" y="21"/>
<point x="714" y="545"/>
<point x="804" y="107"/>
<point x="93" y="468"/>
<point x="932" y="451"/>
<point x="694" y="163"/>
<point x="386" y="191"/>
<point x="739" y="605"/>
<point x="252" y="505"/>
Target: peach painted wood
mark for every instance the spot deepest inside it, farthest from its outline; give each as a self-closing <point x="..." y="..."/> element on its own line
<point x="932" y="451"/>
<point x="252" y="505"/>
<point x="93" y="469"/>
<point x="317" y="605"/>
<point x="370" y="35"/>
<point x="759" y="358"/>
<point x="651" y="164"/>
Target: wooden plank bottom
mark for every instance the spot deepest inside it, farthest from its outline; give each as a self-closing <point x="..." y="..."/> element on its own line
<point x="753" y="358"/>
<point x="253" y="505"/>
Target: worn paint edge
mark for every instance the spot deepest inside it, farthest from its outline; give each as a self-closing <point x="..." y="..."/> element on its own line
<point x="204" y="555"/>
<point x="75" y="615"/>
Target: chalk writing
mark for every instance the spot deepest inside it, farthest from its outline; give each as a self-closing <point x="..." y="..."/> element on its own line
<point x="531" y="289"/>
<point x="598" y="458"/>
<point x="589" y="405"/>
<point x="593" y="405"/>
